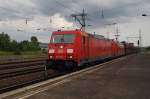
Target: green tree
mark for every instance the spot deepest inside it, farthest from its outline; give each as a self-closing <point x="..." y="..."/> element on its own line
<point x="34" y="39"/>
<point x="24" y="45"/>
<point x="7" y="45"/>
<point x="14" y="45"/>
<point x="34" y="43"/>
<point x="4" y="42"/>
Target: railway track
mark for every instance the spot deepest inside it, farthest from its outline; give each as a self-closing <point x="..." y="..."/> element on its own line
<point x="20" y="67"/>
<point x="18" y="74"/>
<point x="15" y="74"/>
<point x="42" y="86"/>
<point x="17" y="58"/>
<point x="6" y="61"/>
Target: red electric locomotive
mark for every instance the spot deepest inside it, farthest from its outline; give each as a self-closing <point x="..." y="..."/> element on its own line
<point x="75" y="48"/>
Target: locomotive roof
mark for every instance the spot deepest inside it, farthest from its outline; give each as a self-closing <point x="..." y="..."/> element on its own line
<point x="67" y="31"/>
<point x="83" y="32"/>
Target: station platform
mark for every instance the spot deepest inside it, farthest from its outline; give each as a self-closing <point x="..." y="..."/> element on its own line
<point x="126" y="78"/>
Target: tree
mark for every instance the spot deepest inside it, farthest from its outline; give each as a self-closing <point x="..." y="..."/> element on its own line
<point x="14" y="45"/>
<point x="24" y="45"/>
<point x="7" y="45"/>
<point x="4" y="41"/>
<point x="34" y="39"/>
<point x="34" y="43"/>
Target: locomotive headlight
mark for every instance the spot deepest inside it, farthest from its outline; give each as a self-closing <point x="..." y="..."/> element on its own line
<point x="71" y="57"/>
<point x="51" y="50"/>
<point x="51" y="57"/>
<point x="69" y="50"/>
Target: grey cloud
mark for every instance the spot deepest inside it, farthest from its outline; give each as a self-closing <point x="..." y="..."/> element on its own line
<point x="113" y="13"/>
<point x="67" y="7"/>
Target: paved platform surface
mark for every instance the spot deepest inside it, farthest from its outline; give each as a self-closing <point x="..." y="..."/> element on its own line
<point x="125" y="79"/>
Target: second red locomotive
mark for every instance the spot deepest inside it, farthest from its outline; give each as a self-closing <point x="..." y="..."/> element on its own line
<point x="75" y="48"/>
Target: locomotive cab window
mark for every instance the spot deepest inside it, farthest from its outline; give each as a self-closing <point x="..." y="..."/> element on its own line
<point x="63" y="38"/>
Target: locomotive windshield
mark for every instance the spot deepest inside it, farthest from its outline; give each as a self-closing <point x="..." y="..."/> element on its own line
<point x="63" y="38"/>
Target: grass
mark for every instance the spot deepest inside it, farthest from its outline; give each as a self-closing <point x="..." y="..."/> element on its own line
<point x="5" y="53"/>
<point x="24" y="54"/>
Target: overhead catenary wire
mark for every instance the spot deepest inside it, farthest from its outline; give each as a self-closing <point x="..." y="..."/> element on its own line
<point x="62" y="5"/>
<point x="75" y="11"/>
<point x="66" y="7"/>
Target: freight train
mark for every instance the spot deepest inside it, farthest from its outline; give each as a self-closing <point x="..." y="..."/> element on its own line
<point x="75" y="48"/>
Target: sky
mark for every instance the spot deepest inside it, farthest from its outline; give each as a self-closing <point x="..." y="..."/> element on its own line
<point x="45" y="16"/>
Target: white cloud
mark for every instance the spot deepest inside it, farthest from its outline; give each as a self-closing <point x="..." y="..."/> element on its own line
<point x="59" y="21"/>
